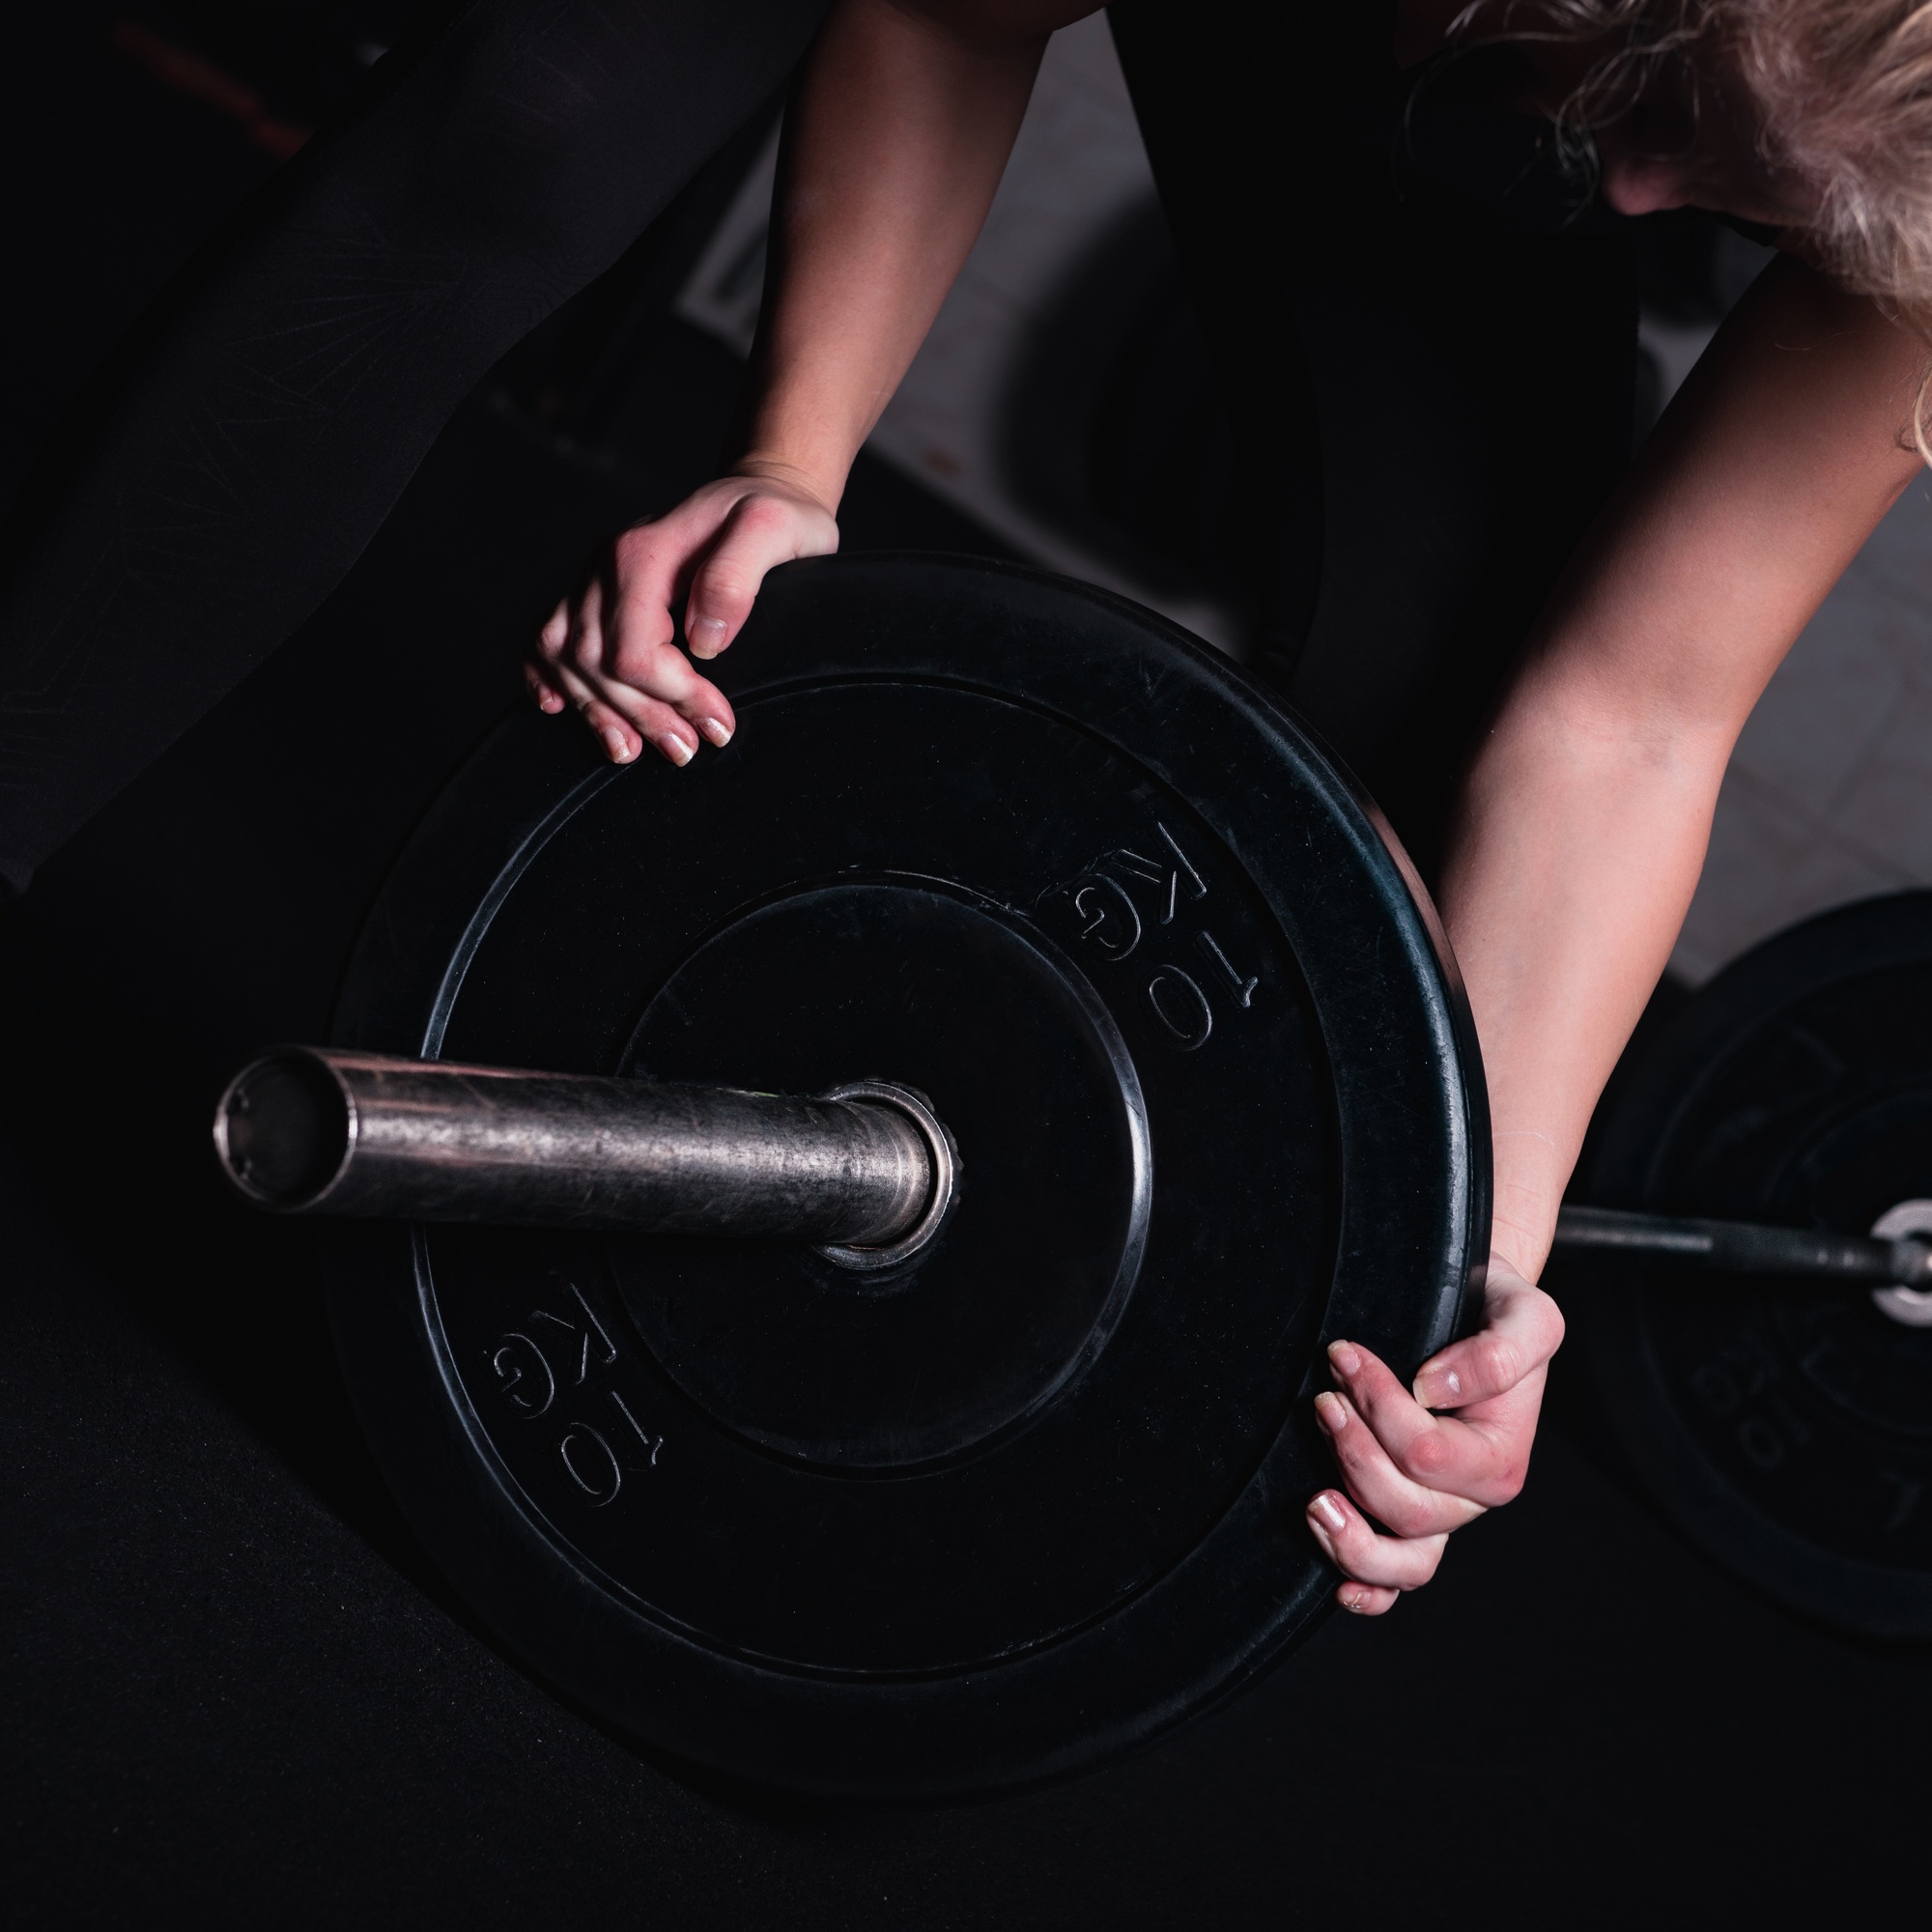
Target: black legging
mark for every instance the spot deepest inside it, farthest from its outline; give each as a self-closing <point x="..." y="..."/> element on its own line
<point x="250" y="439"/>
<point x="1430" y="408"/>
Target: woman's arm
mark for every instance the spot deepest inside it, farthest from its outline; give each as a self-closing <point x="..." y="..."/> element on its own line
<point x="1585" y="818"/>
<point x="1582" y="828"/>
<point x="895" y="146"/>
<point x="893" y="152"/>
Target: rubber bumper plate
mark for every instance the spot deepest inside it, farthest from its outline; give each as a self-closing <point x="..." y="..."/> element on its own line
<point x="1037" y="1494"/>
<point x="1785" y="1424"/>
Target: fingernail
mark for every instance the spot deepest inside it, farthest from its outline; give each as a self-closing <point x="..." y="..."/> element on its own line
<point x="707" y="631"/>
<point x="675" y="749"/>
<point x="1352" y="1600"/>
<point x="1329" y="1514"/>
<point x="1331" y="1412"/>
<point x="1438" y="1388"/>
<point x="719" y="734"/>
<point x="619" y="745"/>
<point x="1344" y="1357"/>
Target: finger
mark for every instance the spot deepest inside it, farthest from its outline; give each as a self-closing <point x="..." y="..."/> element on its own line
<point x="1392" y="1562"/>
<point x="662" y="673"/>
<point x="1522" y="1329"/>
<point x="659" y="726"/>
<point x="653" y="565"/>
<point x="660" y="723"/>
<point x="1365" y="1599"/>
<point x="622" y="742"/>
<point x="760" y="534"/>
<point x="1378" y="1487"/>
<point x="583" y="648"/>
<point x="543" y="689"/>
<point x="1481" y="1454"/>
<point x="615" y="712"/>
<point x="612" y="706"/>
<point x="539" y="663"/>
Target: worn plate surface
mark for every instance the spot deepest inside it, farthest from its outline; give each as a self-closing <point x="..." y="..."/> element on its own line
<point x="1037" y="1495"/>
<point x="1787" y="1427"/>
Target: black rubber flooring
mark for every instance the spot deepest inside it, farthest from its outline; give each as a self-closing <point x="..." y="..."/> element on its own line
<point x="233" y="1696"/>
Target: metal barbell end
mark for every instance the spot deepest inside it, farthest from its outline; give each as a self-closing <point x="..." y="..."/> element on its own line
<point x="866" y="1173"/>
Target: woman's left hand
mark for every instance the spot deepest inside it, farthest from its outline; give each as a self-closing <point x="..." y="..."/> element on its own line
<point x="1424" y="1462"/>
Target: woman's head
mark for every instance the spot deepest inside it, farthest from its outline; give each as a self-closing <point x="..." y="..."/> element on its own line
<point x="1814" y="115"/>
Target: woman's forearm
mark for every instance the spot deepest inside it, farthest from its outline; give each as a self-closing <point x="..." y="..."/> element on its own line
<point x="893" y="149"/>
<point x="1579" y="847"/>
<point x="1584" y="819"/>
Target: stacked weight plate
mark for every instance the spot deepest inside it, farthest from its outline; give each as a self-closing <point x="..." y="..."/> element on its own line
<point x="1785" y="1423"/>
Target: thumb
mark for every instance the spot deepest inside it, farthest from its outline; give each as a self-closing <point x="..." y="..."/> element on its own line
<point x="1523" y="1328"/>
<point x="760" y="532"/>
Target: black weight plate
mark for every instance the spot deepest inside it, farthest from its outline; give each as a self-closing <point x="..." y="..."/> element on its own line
<point x="1786" y="1427"/>
<point x="1036" y="1494"/>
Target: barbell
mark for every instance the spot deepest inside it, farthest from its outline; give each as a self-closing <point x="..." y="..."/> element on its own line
<point x="872" y="1355"/>
<point x="868" y="1167"/>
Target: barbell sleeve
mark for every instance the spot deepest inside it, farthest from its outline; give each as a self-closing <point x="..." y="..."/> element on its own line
<point x="1744" y="1247"/>
<point x="306" y="1131"/>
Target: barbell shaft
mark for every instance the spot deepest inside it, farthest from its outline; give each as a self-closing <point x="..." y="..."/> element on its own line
<point x="1744" y="1247"/>
<point x="304" y="1130"/>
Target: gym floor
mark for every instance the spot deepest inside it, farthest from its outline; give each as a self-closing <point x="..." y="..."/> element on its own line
<point x="234" y="1694"/>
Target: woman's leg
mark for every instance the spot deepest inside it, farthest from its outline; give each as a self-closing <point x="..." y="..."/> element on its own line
<point x="1431" y="410"/>
<point x="253" y="435"/>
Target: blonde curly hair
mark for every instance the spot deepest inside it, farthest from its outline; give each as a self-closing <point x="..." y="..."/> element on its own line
<point x="1842" y="94"/>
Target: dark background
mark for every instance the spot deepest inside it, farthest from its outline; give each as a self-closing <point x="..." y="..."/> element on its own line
<point x="232" y="1693"/>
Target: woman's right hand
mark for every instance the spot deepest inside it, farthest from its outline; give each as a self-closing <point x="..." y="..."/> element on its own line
<point x="611" y="649"/>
